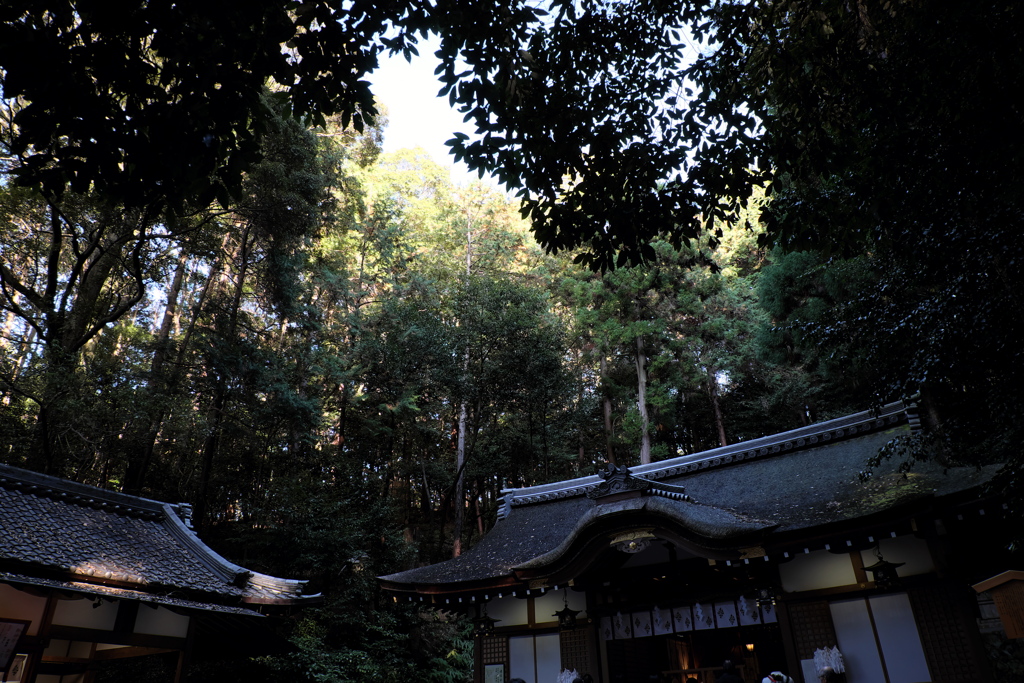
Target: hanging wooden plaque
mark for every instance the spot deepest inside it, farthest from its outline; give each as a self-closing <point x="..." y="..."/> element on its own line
<point x="11" y="631"/>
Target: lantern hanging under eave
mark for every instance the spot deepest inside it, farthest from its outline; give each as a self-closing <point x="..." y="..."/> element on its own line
<point x="884" y="571"/>
<point x="766" y="597"/>
<point x="566" y="615"/>
<point x="484" y="625"/>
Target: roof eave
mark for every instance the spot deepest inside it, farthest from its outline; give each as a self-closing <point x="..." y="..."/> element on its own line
<point x="496" y="584"/>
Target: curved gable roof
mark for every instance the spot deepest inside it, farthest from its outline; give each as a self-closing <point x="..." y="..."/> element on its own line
<point x="792" y="484"/>
<point x="60" y="531"/>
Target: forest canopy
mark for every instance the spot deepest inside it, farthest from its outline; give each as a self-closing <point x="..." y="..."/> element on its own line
<point x="615" y="122"/>
<point x="879" y="132"/>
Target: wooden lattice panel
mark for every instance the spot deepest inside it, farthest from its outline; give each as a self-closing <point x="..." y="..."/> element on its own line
<point x="812" y="627"/>
<point x="494" y="650"/>
<point x="579" y="651"/>
<point x="941" y="622"/>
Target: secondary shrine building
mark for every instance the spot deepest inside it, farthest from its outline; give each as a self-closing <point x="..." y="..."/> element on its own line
<point x="777" y="553"/>
<point x="93" y="580"/>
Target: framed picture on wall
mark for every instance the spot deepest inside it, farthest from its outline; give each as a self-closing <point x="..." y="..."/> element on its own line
<point x="16" y="671"/>
<point x="11" y="631"/>
<point x="494" y="673"/>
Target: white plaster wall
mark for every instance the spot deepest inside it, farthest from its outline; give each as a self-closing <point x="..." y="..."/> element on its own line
<point x="511" y="611"/>
<point x="161" y="621"/>
<point x="913" y="551"/>
<point x="816" y="570"/>
<point x="546" y="605"/>
<point x="16" y="604"/>
<point x="86" y="614"/>
<point x="80" y="649"/>
<point x="57" y="647"/>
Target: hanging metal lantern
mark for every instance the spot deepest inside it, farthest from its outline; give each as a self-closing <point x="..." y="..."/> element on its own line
<point x="566" y="615"/>
<point x="885" y="571"/>
<point x="484" y="625"/>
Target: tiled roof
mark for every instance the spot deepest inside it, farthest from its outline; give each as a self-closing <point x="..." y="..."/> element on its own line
<point x="61" y="530"/>
<point x="110" y="592"/>
<point x="753" y="493"/>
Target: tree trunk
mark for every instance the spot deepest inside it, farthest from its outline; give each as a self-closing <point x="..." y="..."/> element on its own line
<point x="606" y="400"/>
<point x="71" y="315"/>
<point x="802" y="415"/>
<point x="142" y="457"/>
<point x="477" y="495"/>
<point x="458" y="497"/>
<point x="8" y="330"/>
<point x="426" y="508"/>
<point x="21" y="360"/>
<point x="211" y="444"/>
<point x="581" y="440"/>
<point x="170" y="313"/>
<point x="641" y="401"/>
<point x="713" y="395"/>
<point x="217" y="280"/>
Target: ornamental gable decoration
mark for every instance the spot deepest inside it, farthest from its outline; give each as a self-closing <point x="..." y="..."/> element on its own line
<point x="618" y="483"/>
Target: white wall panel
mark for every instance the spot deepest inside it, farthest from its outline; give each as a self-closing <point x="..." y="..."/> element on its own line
<point x="913" y="552"/>
<point x="901" y="644"/>
<point x="549" y="658"/>
<point x="546" y="605"/>
<point x="535" y="659"/>
<point x="16" y="604"/>
<point x="857" y="641"/>
<point x="808" y="670"/>
<point x="161" y="621"/>
<point x="521" y="658"/>
<point x="86" y="613"/>
<point x="511" y="611"/>
<point x="817" y="570"/>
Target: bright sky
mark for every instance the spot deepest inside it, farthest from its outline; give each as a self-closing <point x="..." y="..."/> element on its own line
<point x="417" y="117"/>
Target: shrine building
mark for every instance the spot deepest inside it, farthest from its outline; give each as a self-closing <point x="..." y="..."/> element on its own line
<point x="779" y="553"/>
<point x="92" y="579"/>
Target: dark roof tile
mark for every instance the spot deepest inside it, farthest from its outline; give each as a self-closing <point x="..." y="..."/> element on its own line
<point x="787" y="484"/>
<point x="53" y="525"/>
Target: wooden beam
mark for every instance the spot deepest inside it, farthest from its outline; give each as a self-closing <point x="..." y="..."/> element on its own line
<point x="129" y="651"/>
<point x="93" y="635"/>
